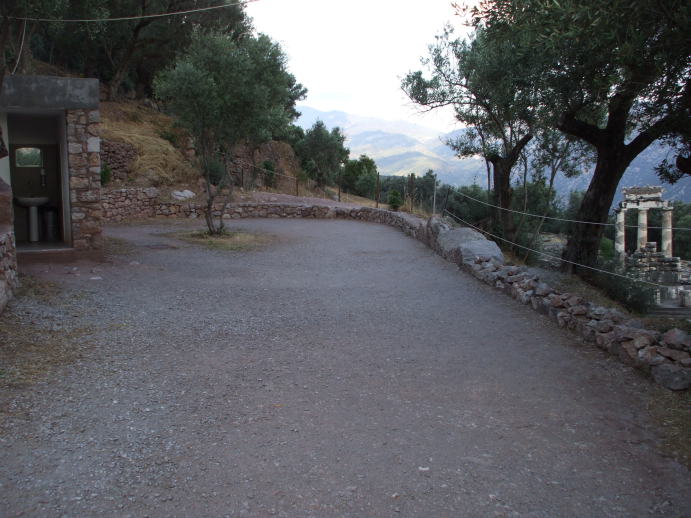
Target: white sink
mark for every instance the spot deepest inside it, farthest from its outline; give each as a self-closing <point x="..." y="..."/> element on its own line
<point x="32" y="201"/>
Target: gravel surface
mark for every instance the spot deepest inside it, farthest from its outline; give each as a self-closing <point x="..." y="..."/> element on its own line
<point x="343" y="370"/>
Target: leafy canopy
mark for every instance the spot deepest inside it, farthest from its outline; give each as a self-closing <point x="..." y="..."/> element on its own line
<point x="225" y="91"/>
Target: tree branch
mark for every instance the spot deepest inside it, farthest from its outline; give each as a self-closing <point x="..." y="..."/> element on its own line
<point x="568" y="123"/>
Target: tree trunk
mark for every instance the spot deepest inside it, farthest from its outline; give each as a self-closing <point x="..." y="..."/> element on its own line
<point x="124" y="64"/>
<point x="584" y="243"/>
<point x="4" y="37"/>
<point x="503" y="192"/>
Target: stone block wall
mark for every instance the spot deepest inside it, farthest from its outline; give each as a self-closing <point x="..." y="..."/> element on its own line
<point x="84" y="161"/>
<point x="119" y="157"/>
<point x="8" y="255"/>
<point x="123" y="204"/>
<point x="8" y="267"/>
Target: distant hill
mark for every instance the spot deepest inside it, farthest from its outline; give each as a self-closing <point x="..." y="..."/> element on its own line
<point x="641" y="172"/>
<point x="401" y="148"/>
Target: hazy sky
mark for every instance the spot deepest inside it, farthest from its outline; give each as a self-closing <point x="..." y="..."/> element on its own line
<point x="352" y="54"/>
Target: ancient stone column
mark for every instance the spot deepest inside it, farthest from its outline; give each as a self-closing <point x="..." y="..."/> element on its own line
<point x="667" y="232"/>
<point x="620" y="235"/>
<point x="642" y="228"/>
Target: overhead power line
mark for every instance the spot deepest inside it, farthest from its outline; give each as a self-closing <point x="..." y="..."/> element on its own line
<point x="554" y="256"/>
<point x="558" y="219"/>
<point x="136" y="17"/>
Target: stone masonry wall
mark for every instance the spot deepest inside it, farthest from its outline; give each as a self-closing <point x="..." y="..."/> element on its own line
<point x="8" y="267"/>
<point x="119" y="157"/>
<point x="8" y="255"/>
<point x="665" y="356"/>
<point x="83" y="147"/>
<point x="123" y="204"/>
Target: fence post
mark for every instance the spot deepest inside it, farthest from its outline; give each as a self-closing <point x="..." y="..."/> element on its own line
<point x="378" y="191"/>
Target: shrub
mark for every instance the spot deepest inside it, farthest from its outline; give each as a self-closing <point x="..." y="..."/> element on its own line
<point x="395" y="201"/>
<point x="106" y="174"/>
<point x="269" y="173"/>
<point x="170" y="136"/>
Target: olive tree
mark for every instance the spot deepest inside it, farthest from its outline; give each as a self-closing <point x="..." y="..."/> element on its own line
<point x="615" y="74"/>
<point x="227" y="91"/>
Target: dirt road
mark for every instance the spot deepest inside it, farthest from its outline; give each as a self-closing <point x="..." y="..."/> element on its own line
<point x="343" y="370"/>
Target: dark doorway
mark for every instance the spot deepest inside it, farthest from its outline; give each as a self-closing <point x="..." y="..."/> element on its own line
<point x="37" y="189"/>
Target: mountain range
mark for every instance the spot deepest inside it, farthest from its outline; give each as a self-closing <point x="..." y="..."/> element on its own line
<point x="401" y="148"/>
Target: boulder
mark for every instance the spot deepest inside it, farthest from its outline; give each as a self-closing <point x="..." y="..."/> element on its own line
<point x="465" y="246"/>
<point x="675" y="338"/>
<point x="182" y="195"/>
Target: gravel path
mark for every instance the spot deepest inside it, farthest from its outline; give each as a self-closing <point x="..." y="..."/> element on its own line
<point x="342" y="371"/>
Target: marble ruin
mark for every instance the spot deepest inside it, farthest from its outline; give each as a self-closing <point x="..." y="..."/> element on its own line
<point x="647" y="262"/>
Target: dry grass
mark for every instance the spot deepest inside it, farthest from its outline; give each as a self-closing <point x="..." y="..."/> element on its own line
<point x="114" y="246"/>
<point x="672" y="410"/>
<point x="27" y="351"/>
<point x="159" y="162"/>
<point x="234" y="241"/>
<point x="348" y="198"/>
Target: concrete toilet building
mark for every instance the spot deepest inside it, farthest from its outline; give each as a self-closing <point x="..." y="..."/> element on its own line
<point x="51" y="128"/>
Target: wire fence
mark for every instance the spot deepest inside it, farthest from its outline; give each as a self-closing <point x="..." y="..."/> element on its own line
<point x="133" y="17"/>
<point x="566" y="220"/>
<point x="550" y="256"/>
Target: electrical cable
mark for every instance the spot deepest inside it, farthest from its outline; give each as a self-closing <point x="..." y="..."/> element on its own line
<point x="554" y="256"/>
<point x="21" y="49"/>
<point x="126" y="18"/>
<point x="559" y="219"/>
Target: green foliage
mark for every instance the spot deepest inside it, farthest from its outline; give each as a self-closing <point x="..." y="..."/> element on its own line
<point x="629" y="292"/>
<point x="129" y="53"/>
<point x="269" y="173"/>
<point x="615" y="74"/>
<point x="106" y="174"/>
<point x="322" y="153"/>
<point x="170" y="136"/>
<point x="360" y="177"/>
<point x="224" y="92"/>
<point x="394" y="200"/>
<point x="607" y="249"/>
<point x="215" y="171"/>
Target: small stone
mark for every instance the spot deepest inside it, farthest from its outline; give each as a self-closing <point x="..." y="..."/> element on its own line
<point x="578" y="310"/>
<point x="673" y="354"/>
<point x="675" y="338"/>
<point x="628" y="351"/>
<point x="574" y="300"/>
<point x="649" y="356"/>
<point x="641" y="341"/>
<point x="604" y="340"/>
<point x="542" y="290"/>
<point x="556" y="301"/>
<point x="672" y="377"/>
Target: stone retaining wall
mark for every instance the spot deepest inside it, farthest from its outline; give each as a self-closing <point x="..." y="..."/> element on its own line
<point x="123" y="204"/>
<point x="8" y="267"/>
<point x="667" y="357"/>
<point x="8" y="254"/>
<point x="119" y="157"/>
